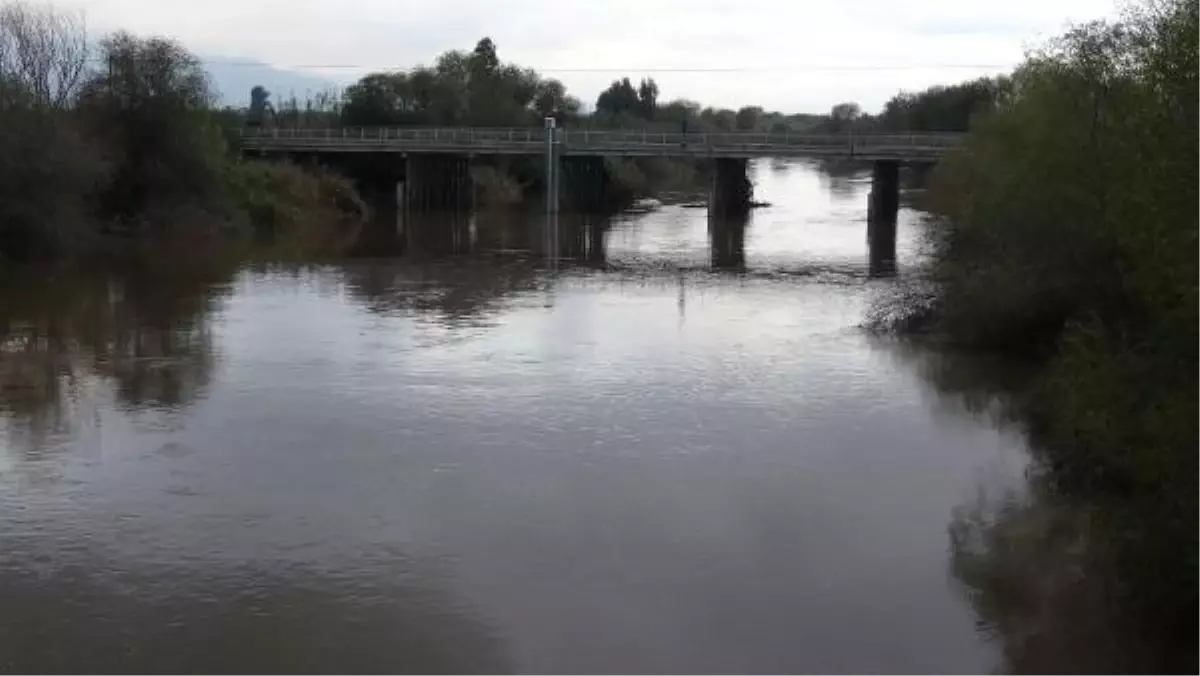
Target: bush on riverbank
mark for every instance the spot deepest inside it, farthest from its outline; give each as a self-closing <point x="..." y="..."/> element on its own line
<point x="130" y="150"/>
<point x="634" y="178"/>
<point x="1067" y="231"/>
<point x="49" y="176"/>
<point x="302" y="210"/>
<point x="495" y="186"/>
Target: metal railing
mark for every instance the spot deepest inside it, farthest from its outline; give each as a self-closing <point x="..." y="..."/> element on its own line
<point x="449" y="135"/>
<point x="530" y="138"/>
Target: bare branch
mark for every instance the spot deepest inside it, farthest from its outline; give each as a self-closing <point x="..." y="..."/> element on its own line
<point x="43" y="54"/>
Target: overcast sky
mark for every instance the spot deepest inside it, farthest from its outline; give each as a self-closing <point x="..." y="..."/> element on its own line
<point x="790" y="55"/>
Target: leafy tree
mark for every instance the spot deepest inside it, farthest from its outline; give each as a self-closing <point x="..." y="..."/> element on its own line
<point x="748" y="118"/>
<point x="943" y="108"/>
<point x="648" y="98"/>
<point x="148" y="106"/>
<point x="375" y="100"/>
<point x="842" y="115"/>
<point x="719" y="119"/>
<point x="552" y="99"/>
<point x="260" y="105"/>
<point x="620" y="98"/>
<point x="674" y="113"/>
<point x="461" y="88"/>
<point x="484" y="57"/>
<point x="1068" y="234"/>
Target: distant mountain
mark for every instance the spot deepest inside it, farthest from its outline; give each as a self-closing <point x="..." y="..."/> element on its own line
<point x="233" y="78"/>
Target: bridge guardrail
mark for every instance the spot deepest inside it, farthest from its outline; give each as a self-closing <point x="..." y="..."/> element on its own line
<point x="527" y="138"/>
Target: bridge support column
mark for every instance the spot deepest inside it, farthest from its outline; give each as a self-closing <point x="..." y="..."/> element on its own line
<point x="437" y="183"/>
<point x="581" y="237"/>
<point x="584" y="184"/>
<point x="727" y="241"/>
<point x="883" y="205"/>
<point x="731" y="188"/>
<point x="379" y="180"/>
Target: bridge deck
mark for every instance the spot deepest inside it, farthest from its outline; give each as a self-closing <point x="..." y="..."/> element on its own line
<point x="530" y="141"/>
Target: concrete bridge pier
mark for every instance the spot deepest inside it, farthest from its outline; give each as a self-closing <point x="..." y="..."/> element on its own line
<point x="881" y="257"/>
<point x="584" y="184"/>
<point x="380" y="182"/>
<point x="731" y="188"/>
<point x="581" y="237"/>
<point x="727" y="241"/>
<point x="883" y="205"/>
<point x="437" y="183"/>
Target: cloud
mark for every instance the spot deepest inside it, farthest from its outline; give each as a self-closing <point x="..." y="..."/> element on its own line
<point x="784" y="54"/>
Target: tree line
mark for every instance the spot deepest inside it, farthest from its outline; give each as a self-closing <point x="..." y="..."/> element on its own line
<point x="940" y="108"/>
<point x="475" y="88"/>
<point x="1066" y="234"/>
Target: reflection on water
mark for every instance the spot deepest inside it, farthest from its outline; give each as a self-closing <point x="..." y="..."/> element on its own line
<point x="146" y="333"/>
<point x="443" y="290"/>
<point x="1023" y="562"/>
<point x="639" y="443"/>
<point x="1062" y="585"/>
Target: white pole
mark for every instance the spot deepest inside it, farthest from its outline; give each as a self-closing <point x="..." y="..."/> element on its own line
<point x="551" y="169"/>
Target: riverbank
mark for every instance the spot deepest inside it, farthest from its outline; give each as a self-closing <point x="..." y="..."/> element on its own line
<point x="134" y="153"/>
<point x="1074" y="246"/>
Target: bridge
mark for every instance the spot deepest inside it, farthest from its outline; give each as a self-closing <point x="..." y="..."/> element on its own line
<point x="433" y="168"/>
<point x="919" y="147"/>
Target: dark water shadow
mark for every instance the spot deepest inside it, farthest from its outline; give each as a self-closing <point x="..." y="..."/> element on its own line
<point x="98" y="616"/>
<point x="580" y="238"/>
<point x="438" y="234"/>
<point x="1046" y="570"/>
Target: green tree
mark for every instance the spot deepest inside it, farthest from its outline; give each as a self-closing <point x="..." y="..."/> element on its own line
<point x="719" y="119"/>
<point x="461" y="88"/>
<point x="260" y="105"/>
<point x="552" y="99"/>
<point x="484" y="57"/>
<point x="943" y="108"/>
<point x="375" y="100"/>
<point x="619" y="99"/>
<point x="1068" y="234"/>
<point x="674" y="113"/>
<point x="843" y="115"/>
<point x="149" y="106"/>
<point x="748" y="118"/>
<point x="648" y="98"/>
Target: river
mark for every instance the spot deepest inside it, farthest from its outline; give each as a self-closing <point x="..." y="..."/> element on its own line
<point x="640" y="458"/>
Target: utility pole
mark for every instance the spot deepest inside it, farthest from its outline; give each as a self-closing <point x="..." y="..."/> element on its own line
<point x="551" y="191"/>
<point x="551" y="168"/>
